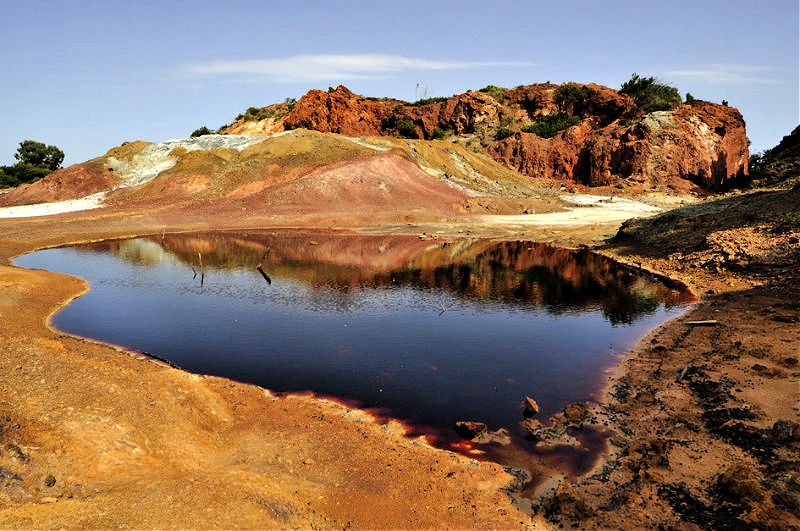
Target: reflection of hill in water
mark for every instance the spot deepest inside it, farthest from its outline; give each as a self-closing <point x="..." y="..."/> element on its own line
<point x="517" y="273"/>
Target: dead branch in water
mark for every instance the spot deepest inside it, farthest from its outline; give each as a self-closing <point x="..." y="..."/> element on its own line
<point x="263" y="274"/>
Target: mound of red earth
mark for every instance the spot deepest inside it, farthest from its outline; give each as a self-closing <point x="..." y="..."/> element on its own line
<point x="696" y="146"/>
<point x="73" y="182"/>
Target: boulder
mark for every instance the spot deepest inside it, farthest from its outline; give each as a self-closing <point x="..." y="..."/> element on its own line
<point x="469" y="429"/>
<point x="575" y="414"/>
<point x="531" y="407"/>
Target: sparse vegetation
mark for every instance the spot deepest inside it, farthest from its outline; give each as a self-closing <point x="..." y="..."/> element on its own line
<point x="757" y="161"/>
<point x="269" y="112"/>
<point x="689" y="98"/>
<point x="788" y="223"/>
<point x="503" y="132"/>
<point x="439" y="133"/>
<point x="570" y="93"/>
<point x="548" y="126"/>
<point x="36" y="160"/>
<point x="650" y="94"/>
<point x="407" y="129"/>
<point x="498" y="93"/>
<point x="426" y="101"/>
<point x="201" y="131"/>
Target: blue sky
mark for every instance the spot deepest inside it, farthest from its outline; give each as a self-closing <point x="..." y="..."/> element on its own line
<point x="87" y="76"/>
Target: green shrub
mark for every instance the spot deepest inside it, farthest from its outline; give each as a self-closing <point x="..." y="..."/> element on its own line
<point x="200" y="132"/>
<point x="407" y="129"/>
<point x="570" y="93"/>
<point x="724" y="103"/>
<point x="498" y="93"/>
<point x="689" y="98"/>
<point x="547" y="126"/>
<point x="21" y="173"/>
<point x="650" y="94"/>
<point x="269" y="112"/>
<point x="426" y="101"/>
<point x="252" y="111"/>
<point x="788" y="223"/>
<point x="503" y="132"/>
<point x="439" y="133"/>
<point x="388" y="122"/>
<point x="476" y="150"/>
<point x="7" y="180"/>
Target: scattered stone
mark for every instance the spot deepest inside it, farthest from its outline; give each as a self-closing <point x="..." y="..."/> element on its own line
<point x="48" y="499"/>
<point x="565" y="502"/>
<point x="785" y="431"/>
<point x="535" y="428"/>
<point x="50" y="480"/>
<point x="500" y="437"/>
<point x="575" y="414"/>
<point x="531" y="406"/>
<point x="469" y="429"/>
<point x="740" y="484"/>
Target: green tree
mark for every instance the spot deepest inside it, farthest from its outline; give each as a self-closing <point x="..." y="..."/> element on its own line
<point x="39" y="155"/>
<point x="202" y="131"/>
<point x="570" y="93"/>
<point x="650" y="94"/>
<point x="36" y="160"/>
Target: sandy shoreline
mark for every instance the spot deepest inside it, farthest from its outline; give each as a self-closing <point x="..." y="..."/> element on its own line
<point x="91" y="441"/>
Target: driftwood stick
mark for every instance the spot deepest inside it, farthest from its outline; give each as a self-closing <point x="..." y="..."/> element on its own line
<point x="263" y="274"/>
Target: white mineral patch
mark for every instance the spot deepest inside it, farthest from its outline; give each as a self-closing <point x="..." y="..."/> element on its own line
<point x="610" y="202"/>
<point x="47" y="209"/>
<point x="155" y="158"/>
<point x="142" y="167"/>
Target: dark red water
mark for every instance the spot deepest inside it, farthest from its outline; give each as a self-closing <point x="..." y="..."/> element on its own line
<point x="428" y="332"/>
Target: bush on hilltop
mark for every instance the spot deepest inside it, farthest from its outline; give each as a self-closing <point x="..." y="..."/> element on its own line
<point x="650" y="94"/>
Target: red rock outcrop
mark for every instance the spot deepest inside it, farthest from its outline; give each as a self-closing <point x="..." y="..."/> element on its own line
<point x="697" y="146"/>
<point x="702" y="144"/>
<point x="341" y="111"/>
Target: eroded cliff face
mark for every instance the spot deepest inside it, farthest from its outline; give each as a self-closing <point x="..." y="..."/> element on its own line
<point x="702" y="145"/>
<point x="697" y="146"/>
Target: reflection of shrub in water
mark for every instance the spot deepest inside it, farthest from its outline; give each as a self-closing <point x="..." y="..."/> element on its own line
<point x="517" y="274"/>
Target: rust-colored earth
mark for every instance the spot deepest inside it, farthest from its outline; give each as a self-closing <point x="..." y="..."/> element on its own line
<point x="705" y="417"/>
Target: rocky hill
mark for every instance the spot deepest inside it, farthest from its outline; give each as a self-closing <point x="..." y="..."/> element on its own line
<point x="779" y="166"/>
<point x="697" y="146"/>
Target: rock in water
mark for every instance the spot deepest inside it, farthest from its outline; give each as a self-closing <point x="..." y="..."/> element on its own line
<point x="535" y="428"/>
<point x="531" y="406"/>
<point x="470" y="430"/>
<point x="575" y="414"/>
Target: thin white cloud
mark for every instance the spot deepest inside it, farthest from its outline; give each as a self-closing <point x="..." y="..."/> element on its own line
<point x="724" y="74"/>
<point x="330" y="67"/>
